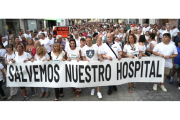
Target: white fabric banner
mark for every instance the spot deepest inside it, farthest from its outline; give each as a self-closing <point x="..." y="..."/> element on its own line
<point x="85" y="74"/>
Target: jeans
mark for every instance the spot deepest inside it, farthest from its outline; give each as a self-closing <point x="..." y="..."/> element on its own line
<point x="43" y="89"/>
<point x="160" y="39"/>
<point x="176" y="39"/>
<point x="58" y="91"/>
<point x="1" y="90"/>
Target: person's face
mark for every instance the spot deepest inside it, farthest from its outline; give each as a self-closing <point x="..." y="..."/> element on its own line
<point x="109" y="38"/>
<point x="76" y="35"/>
<point x="99" y="40"/>
<point x="166" y="39"/>
<point x="30" y="41"/>
<point x="154" y="31"/>
<point x="82" y="43"/>
<point x="50" y="36"/>
<point x="59" y="40"/>
<point x="163" y="27"/>
<point x="20" y="33"/>
<point x="116" y="39"/>
<point x="40" y="50"/>
<point x="147" y="34"/>
<point x="89" y="42"/>
<point x="131" y="39"/>
<point x="37" y="44"/>
<point x="41" y="36"/>
<point x="56" y="47"/>
<point x="8" y="49"/>
<point x="19" y="48"/>
<point x="72" y="44"/>
<point x="17" y="40"/>
<point x="10" y="42"/>
<point x="168" y="28"/>
<point x="83" y="30"/>
<point x="68" y="38"/>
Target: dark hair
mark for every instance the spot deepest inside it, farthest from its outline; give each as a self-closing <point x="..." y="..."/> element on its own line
<point x="82" y="39"/>
<point x="1" y="44"/>
<point x="89" y="37"/>
<point x="94" y="35"/>
<point x="9" y="46"/>
<point x="71" y="36"/>
<point x="71" y="41"/>
<point x="80" y="33"/>
<point x="36" y="38"/>
<point x="43" y="34"/>
<point x="115" y="38"/>
<point x="50" y="34"/>
<point x="129" y="31"/>
<point x="16" y="37"/>
<point x="167" y="34"/>
<point x="142" y="38"/>
<point x="152" y="35"/>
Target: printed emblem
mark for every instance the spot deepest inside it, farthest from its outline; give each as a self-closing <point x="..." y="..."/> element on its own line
<point x="90" y="53"/>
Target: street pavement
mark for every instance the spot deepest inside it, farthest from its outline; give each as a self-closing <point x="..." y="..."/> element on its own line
<point x="142" y="92"/>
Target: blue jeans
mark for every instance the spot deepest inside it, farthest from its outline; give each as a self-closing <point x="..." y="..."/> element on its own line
<point x="43" y="89"/>
<point x="176" y="39"/>
<point x="160" y="39"/>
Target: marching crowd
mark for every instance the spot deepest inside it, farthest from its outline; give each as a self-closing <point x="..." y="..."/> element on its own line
<point x="92" y="42"/>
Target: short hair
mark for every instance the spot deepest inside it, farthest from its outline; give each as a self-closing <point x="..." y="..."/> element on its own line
<point x="43" y="34"/>
<point x="71" y="41"/>
<point x="115" y="38"/>
<point x="43" y="50"/>
<point x="36" y="38"/>
<point x="133" y="37"/>
<point x="94" y="35"/>
<point x="82" y="39"/>
<point x="49" y="35"/>
<point x="142" y="38"/>
<point x="22" y="35"/>
<point x="60" y="49"/>
<point x="58" y="36"/>
<point x="167" y="34"/>
<point x="16" y="37"/>
<point x="89" y="37"/>
<point x="152" y="35"/>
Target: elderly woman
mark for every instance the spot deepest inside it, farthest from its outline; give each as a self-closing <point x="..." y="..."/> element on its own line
<point x="60" y="41"/>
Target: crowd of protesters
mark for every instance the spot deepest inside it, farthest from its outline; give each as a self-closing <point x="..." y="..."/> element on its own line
<point x="108" y="41"/>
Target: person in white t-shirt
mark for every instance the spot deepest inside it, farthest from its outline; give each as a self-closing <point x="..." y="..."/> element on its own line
<point x="91" y="52"/>
<point x="74" y="53"/>
<point x="4" y="41"/>
<point x="8" y="58"/>
<point x="46" y="43"/>
<point x="22" y="56"/>
<point x="82" y="44"/>
<point x="142" y="46"/>
<point x="145" y="28"/>
<point x="168" y="52"/>
<point x="2" y="50"/>
<point x="51" y="39"/>
<point x="131" y="49"/>
<point x="108" y="54"/>
<point x="2" y="70"/>
<point x="156" y="35"/>
<point x="151" y="44"/>
<point x="42" y="31"/>
<point x="175" y="34"/>
<point x="77" y="38"/>
<point x="161" y="33"/>
<point x="57" y="55"/>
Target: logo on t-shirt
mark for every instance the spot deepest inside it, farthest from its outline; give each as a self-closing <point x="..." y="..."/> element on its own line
<point x="90" y="53"/>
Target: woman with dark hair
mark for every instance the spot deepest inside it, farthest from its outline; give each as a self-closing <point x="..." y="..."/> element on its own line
<point x="156" y="35"/>
<point x="131" y="50"/>
<point x="2" y="50"/>
<point x="151" y="44"/>
<point x="8" y="58"/>
<point x="22" y="56"/>
<point x="141" y="44"/>
<point x="74" y="53"/>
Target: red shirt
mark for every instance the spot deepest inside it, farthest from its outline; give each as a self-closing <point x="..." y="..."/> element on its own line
<point x="85" y="34"/>
<point x="33" y="51"/>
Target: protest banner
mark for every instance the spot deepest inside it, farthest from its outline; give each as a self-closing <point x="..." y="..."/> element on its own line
<point x="63" y="31"/>
<point x="84" y="73"/>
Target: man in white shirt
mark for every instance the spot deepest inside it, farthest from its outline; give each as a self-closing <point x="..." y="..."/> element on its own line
<point x="46" y="43"/>
<point x="145" y="28"/>
<point x="4" y="42"/>
<point x="42" y="31"/>
<point x="175" y="34"/>
<point x="168" y="30"/>
<point x="91" y="52"/>
<point x="161" y="33"/>
<point x="77" y="38"/>
<point x="109" y="54"/>
<point x="20" y="33"/>
<point x="168" y="51"/>
<point x="28" y="35"/>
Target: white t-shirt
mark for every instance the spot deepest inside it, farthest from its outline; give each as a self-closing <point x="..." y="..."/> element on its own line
<point x="37" y="58"/>
<point x="59" y="57"/>
<point x="9" y="56"/>
<point x="122" y="36"/>
<point x="161" y="33"/>
<point x="91" y="53"/>
<point x="52" y="43"/>
<point x="144" y="30"/>
<point x="1" y="74"/>
<point x="147" y="37"/>
<point x="73" y="54"/>
<point x="78" y="42"/>
<point x="47" y="44"/>
<point x="166" y="50"/>
<point x="107" y="51"/>
<point x="129" y="49"/>
<point x="175" y="31"/>
<point x="2" y="52"/>
<point x="149" y="45"/>
<point x="171" y="32"/>
<point x="42" y="32"/>
<point x="67" y="46"/>
<point x="27" y="36"/>
<point x="5" y="43"/>
<point x="141" y="48"/>
<point x="24" y="56"/>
